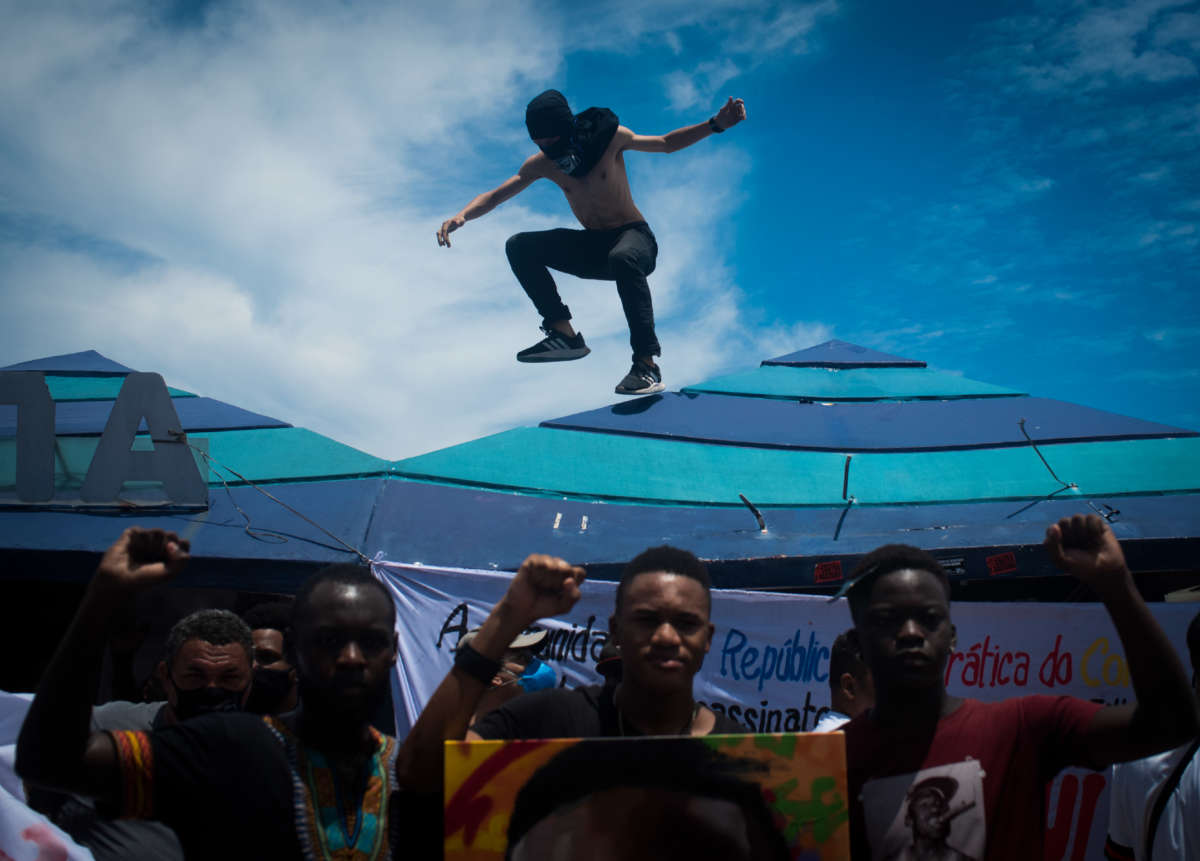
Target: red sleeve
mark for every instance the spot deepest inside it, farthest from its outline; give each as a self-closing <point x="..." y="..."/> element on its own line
<point x="1060" y="726"/>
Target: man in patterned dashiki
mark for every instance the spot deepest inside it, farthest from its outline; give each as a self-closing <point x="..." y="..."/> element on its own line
<point x="315" y="783"/>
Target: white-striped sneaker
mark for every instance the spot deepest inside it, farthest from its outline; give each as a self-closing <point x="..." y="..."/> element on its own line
<point x="642" y="379"/>
<point x="555" y="347"/>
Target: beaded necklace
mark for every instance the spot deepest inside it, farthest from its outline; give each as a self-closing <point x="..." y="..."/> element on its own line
<point x="323" y="812"/>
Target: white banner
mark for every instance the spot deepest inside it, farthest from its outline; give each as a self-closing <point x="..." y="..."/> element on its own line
<point x="769" y="663"/>
<point x="25" y="835"/>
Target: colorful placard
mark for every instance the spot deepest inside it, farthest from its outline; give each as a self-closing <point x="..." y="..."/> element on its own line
<point x="772" y="796"/>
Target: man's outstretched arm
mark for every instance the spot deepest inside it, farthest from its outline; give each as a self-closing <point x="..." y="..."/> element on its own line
<point x="56" y="748"/>
<point x="731" y="113"/>
<point x="543" y="586"/>
<point x="489" y="200"/>
<point x="1165" y="714"/>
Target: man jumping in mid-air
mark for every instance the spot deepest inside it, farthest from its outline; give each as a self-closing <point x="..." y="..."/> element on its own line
<point x="584" y="155"/>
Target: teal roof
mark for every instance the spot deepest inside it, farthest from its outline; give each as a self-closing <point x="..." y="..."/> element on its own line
<point x="571" y="463"/>
<point x="106" y="388"/>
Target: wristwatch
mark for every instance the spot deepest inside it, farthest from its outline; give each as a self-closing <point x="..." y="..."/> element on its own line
<point x="712" y="124"/>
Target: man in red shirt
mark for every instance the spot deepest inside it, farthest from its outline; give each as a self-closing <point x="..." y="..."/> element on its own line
<point x="991" y="762"/>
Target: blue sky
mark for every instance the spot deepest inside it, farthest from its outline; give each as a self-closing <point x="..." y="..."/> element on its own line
<point x="244" y="197"/>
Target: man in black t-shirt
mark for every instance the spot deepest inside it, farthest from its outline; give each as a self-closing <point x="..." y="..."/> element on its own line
<point x="318" y="782"/>
<point x="661" y="625"/>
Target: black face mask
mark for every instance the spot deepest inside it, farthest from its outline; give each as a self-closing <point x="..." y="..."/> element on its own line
<point x="269" y="690"/>
<point x="202" y="701"/>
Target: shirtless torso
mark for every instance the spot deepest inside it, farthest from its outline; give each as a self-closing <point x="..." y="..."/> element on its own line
<point x="601" y="199"/>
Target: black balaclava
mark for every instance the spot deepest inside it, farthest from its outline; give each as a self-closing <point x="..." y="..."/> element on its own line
<point x="582" y="139"/>
<point x="549" y="116"/>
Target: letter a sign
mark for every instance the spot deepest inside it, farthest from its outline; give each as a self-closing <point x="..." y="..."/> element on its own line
<point x="144" y="396"/>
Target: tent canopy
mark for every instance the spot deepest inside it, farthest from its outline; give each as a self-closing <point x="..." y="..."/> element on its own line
<point x="838" y="448"/>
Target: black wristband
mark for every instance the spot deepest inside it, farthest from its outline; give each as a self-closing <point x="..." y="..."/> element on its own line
<point x="712" y="124"/>
<point x="474" y="664"/>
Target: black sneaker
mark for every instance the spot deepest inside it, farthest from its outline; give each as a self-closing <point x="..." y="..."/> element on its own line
<point x="555" y="347"/>
<point x="642" y="379"/>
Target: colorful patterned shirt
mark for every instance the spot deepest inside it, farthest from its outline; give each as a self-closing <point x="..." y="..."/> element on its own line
<point x="243" y="786"/>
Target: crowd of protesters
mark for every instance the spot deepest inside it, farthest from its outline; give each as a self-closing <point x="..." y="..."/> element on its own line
<point x="263" y="746"/>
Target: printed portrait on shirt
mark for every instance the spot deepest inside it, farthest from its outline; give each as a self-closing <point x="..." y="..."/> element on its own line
<point x="936" y="814"/>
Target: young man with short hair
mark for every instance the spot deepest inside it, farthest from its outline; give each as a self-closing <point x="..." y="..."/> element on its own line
<point x="584" y="155"/>
<point x="999" y="757"/>
<point x="661" y="625"/>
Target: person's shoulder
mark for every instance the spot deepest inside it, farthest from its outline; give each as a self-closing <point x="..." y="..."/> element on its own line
<point x="236" y="729"/>
<point x="121" y="714"/>
<point x="1149" y="770"/>
<point x="621" y="139"/>
<point x="584" y="696"/>
<point x="535" y="166"/>
<point x="723" y="724"/>
<point x="551" y="713"/>
<point x="1049" y="707"/>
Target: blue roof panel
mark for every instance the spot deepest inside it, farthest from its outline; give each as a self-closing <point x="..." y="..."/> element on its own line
<point x="86" y="362"/>
<point x="273" y="532"/>
<point x="840" y="354"/>
<point x="852" y="427"/>
<point x="423" y="522"/>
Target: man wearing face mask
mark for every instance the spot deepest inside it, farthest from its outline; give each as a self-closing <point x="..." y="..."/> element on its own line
<point x="205" y="668"/>
<point x="584" y="155"/>
<point x="275" y="689"/>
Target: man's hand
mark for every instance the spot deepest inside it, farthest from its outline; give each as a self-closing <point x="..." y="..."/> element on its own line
<point x="1084" y="546"/>
<point x="731" y="113"/>
<point x="141" y="558"/>
<point x="543" y="586"/>
<point x="449" y="226"/>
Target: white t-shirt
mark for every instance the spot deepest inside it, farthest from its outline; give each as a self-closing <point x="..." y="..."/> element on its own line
<point x="830" y="721"/>
<point x="1131" y="801"/>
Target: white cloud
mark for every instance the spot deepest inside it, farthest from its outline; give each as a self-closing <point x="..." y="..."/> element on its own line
<point x="276" y="177"/>
<point x="748" y="37"/>
<point x="1073" y="51"/>
<point x="701" y="87"/>
<point x="787" y="28"/>
<point x="1174" y="336"/>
